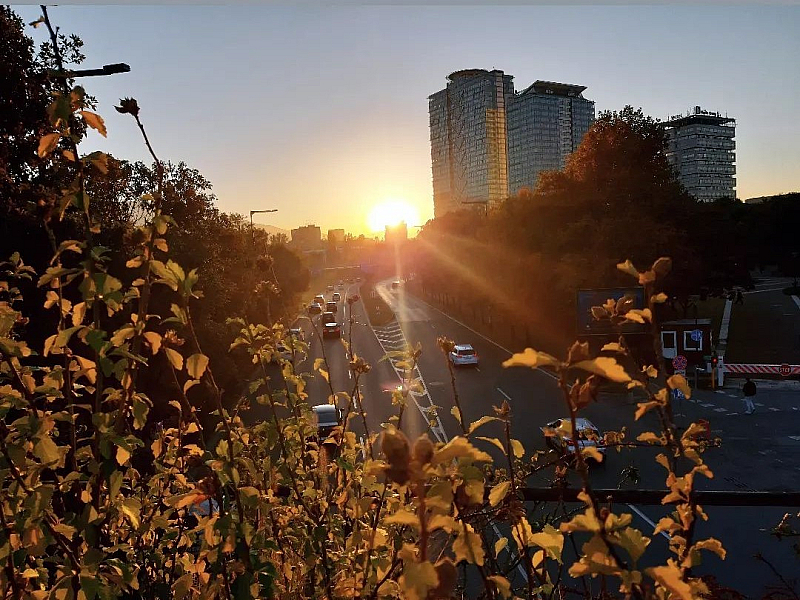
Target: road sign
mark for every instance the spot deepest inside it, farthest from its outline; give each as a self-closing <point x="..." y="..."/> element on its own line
<point x="679" y="395"/>
<point x="785" y="370"/>
<point x="696" y="335"/>
<point x="679" y="363"/>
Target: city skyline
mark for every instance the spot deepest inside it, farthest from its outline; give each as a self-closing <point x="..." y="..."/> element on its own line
<point x="322" y="112"/>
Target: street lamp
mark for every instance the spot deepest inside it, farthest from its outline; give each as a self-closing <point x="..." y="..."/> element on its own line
<point x="252" y="212"/>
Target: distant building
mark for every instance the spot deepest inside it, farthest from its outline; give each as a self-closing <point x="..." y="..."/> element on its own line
<point x="546" y="123"/>
<point x="468" y="140"/>
<point x="488" y="142"/>
<point x="306" y="238"/>
<point x="336" y="236"/>
<point x="701" y="149"/>
<point x="396" y="233"/>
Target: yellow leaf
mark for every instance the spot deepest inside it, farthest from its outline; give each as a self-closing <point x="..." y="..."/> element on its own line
<point x="190" y="383"/>
<point x="633" y="541"/>
<point x="605" y="367"/>
<point x="69" y="155"/>
<point x="196" y="365"/>
<point x="669" y="576"/>
<point x="123" y="333"/>
<point x="531" y="358"/>
<point x="494" y="441"/>
<point x="175" y="358"/>
<point x="482" y="421"/>
<point x="639" y="316"/>
<point x="157" y="447"/>
<point x="467" y="546"/>
<point x="647" y="277"/>
<point x="582" y="522"/>
<point x="522" y="533"/>
<point x="612" y="347"/>
<point x="78" y="313"/>
<point x="627" y="267"/>
<point x="644" y="407"/>
<point x="499" y="492"/>
<point x="501" y="584"/>
<point x="517" y="448"/>
<point x="499" y="545"/>
<point x="662" y="266"/>
<point x="418" y="577"/>
<point x="659" y="298"/>
<point x="47" y="144"/>
<point x="94" y="121"/>
<point x="712" y="545"/>
<point x="154" y="339"/>
<point x="160" y="244"/>
<point x="456" y="413"/>
<point x="593" y="453"/>
<point x="459" y="447"/>
<point x="649" y="437"/>
<point x="403" y="517"/>
<point x="135" y="262"/>
<point x="678" y="382"/>
<point x="551" y="540"/>
<point x="663" y="461"/>
<point x="445" y="522"/>
<point x="122" y="455"/>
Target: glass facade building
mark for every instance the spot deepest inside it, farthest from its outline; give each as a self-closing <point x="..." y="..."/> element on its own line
<point x="468" y="140"/>
<point x="701" y="149"/>
<point x="546" y="123"/>
<point x="488" y="142"/>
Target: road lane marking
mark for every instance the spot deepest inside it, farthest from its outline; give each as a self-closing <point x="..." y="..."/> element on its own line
<point x="647" y="520"/>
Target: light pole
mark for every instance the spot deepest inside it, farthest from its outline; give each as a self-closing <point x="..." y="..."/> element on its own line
<point x="252" y="212"/>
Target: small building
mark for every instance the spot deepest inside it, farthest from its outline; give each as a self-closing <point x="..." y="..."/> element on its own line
<point x="692" y="339"/>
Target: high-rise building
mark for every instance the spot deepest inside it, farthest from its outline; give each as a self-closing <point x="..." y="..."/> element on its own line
<point x="487" y="141"/>
<point x="546" y="123"/>
<point x="468" y="140"/>
<point x="701" y="149"/>
<point x="306" y="238"/>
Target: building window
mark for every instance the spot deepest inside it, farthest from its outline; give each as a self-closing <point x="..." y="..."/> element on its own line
<point x="689" y="344"/>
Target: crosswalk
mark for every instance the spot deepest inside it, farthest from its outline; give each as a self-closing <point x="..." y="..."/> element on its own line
<point x="392" y="339"/>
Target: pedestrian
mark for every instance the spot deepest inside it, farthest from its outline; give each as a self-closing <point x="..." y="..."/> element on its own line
<point x="749" y="391"/>
<point x="739" y="297"/>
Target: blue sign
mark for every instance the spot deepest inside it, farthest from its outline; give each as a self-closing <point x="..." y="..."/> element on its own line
<point x="678" y="395"/>
<point x="696" y="335"/>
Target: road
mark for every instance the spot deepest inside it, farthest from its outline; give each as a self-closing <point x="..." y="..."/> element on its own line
<point x="535" y="399"/>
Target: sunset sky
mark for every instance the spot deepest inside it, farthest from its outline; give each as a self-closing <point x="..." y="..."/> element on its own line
<point x="322" y="113"/>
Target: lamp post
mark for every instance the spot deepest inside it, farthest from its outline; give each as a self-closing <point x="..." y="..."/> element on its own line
<point x="252" y="212"/>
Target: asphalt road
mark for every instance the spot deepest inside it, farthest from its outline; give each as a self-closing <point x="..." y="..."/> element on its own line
<point x="535" y="400"/>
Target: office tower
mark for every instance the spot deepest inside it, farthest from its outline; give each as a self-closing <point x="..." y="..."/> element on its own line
<point x="701" y="149"/>
<point x="546" y="123"/>
<point x="468" y="140"/>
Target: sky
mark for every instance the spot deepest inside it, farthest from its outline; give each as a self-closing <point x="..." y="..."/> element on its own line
<point x="321" y="112"/>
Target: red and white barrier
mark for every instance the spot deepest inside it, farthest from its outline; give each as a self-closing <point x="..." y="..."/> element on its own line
<point x="756" y="369"/>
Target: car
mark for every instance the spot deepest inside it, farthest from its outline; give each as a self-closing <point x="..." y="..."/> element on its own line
<point x="284" y="351"/>
<point x="463" y="354"/>
<point x="395" y="284"/>
<point x="297" y="332"/>
<point x="329" y="288"/>
<point x="337" y="296"/>
<point x="319" y="299"/>
<point x="327" y="417"/>
<point x="558" y="436"/>
<point x="331" y="306"/>
<point x="330" y="328"/>
<point x="314" y="308"/>
<point x="358" y="279"/>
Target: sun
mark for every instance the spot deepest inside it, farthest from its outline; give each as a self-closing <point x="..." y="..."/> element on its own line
<point x="392" y="212"/>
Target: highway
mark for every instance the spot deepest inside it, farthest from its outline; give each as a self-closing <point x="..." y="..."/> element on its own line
<point x="535" y="399"/>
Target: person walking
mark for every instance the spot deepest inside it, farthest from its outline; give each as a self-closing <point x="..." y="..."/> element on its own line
<point x="739" y="297"/>
<point x="749" y="392"/>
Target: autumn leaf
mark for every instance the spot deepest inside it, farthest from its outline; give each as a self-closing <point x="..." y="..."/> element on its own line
<point x="659" y="298"/>
<point x="499" y="492"/>
<point x="669" y="576"/>
<point x="456" y="413"/>
<point x="482" y="421"/>
<point x="122" y="455"/>
<point x="154" y="339"/>
<point x="467" y="546"/>
<point x="517" y="448"/>
<point x="627" y="267"/>
<point x="501" y="584"/>
<point x="633" y="541"/>
<point x="175" y="358"/>
<point x="500" y="544"/>
<point x="94" y="121"/>
<point x="522" y="533"/>
<point x="550" y="540"/>
<point x="403" y="517"/>
<point x="605" y="367"/>
<point x="418" y="577"/>
<point x="459" y="447"/>
<point x="196" y="365"/>
<point x="531" y="358"/>
<point x="678" y="382"/>
<point x="47" y="144"/>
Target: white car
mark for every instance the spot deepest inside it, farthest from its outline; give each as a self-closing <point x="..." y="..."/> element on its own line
<point x="463" y="354"/>
<point x="559" y="436"/>
<point x="327" y="417"/>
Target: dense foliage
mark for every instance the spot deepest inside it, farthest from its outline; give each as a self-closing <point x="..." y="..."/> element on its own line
<point x="114" y="486"/>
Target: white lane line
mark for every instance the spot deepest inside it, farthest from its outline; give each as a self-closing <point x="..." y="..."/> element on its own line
<point x="796" y="301"/>
<point x="506" y="396"/>
<point x="647" y="520"/>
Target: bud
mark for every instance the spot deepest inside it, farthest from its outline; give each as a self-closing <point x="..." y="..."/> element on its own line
<point x="394" y="445"/>
<point x="423" y="450"/>
<point x="128" y="106"/>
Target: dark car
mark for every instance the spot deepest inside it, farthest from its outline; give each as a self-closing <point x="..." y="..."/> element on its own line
<point x="331" y="307"/>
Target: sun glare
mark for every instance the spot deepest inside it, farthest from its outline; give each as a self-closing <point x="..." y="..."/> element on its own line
<point x="392" y="212"/>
